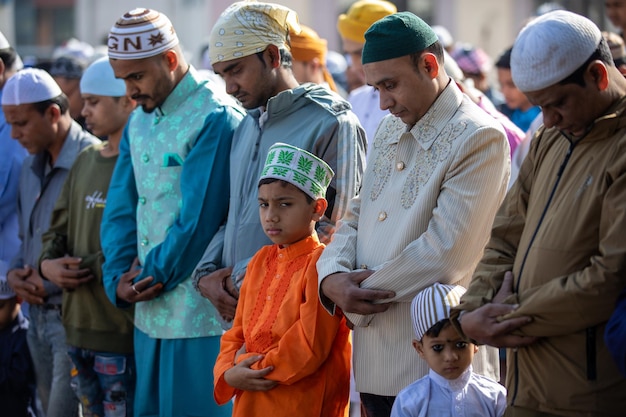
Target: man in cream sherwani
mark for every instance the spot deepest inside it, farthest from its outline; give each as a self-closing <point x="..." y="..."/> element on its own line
<point x="437" y="172"/>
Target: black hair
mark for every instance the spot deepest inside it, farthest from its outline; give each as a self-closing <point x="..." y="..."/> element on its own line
<point x="8" y="56"/>
<point x="60" y="100"/>
<point x="504" y="60"/>
<point x="602" y="53"/>
<point x="436" y="328"/>
<point x="286" y="59"/>
<point x="284" y="183"/>
<point x="435" y="49"/>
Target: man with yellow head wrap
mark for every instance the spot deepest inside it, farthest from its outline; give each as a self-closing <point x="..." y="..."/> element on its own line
<point x="309" y="58"/>
<point x="249" y="50"/>
<point x="352" y="26"/>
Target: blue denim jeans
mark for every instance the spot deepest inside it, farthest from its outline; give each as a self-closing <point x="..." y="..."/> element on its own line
<point x="46" y="342"/>
<point x="104" y="382"/>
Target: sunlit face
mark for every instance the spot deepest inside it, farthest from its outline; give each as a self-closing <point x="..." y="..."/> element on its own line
<point x="105" y="115"/>
<point x="354" y="50"/>
<point x="8" y="311"/>
<point x="71" y="88"/>
<point x="407" y="92"/>
<point x="148" y="81"/>
<point x="515" y="99"/>
<point x="34" y="131"/>
<point x="448" y="354"/>
<point x="302" y="71"/>
<point x="570" y="107"/>
<point x="286" y="215"/>
<point x="249" y="79"/>
<point x="616" y="12"/>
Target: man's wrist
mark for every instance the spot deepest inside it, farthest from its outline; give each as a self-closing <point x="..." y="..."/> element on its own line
<point x="202" y="272"/>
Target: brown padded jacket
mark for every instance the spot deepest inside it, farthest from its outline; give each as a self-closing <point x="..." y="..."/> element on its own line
<point x="562" y="231"/>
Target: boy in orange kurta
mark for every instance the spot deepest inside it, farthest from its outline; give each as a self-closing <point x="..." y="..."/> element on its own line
<point x="285" y="355"/>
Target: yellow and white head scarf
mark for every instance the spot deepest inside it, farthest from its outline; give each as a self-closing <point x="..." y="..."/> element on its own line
<point x="248" y="27"/>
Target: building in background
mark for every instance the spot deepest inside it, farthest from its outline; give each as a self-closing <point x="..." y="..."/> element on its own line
<point x="36" y="27"/>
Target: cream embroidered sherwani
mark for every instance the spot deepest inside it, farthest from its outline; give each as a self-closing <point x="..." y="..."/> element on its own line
<point x="424" y="214"/>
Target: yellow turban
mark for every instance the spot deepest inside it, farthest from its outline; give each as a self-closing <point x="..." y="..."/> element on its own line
<point x="360" y="16"/>
<point x="247" y="27"/>
<point x="307" y="45"/>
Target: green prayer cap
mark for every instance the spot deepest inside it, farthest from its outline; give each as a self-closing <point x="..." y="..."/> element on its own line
<point x="396" y="35"/>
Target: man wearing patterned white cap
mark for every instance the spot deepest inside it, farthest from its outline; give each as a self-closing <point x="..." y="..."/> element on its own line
<point x="13" y="155"/>
<point x="99" y="335"/>
<point x="249" y="49"/>
<point x="166" y="200"/>
<point x="555" y="265"/>
<point x="38" y="113"/>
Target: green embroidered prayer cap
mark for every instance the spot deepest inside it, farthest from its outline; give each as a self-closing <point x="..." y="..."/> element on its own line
<point x="396" y="35"/>
<point x="298" y="167"/>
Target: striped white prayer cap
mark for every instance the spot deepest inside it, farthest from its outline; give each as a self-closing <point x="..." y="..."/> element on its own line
<point x="433" y="304"/>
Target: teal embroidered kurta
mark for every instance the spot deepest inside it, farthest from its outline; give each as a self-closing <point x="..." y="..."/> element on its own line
<point x="167" y="198"/>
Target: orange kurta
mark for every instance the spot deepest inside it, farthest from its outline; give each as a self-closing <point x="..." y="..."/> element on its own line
<point x="279" y="315"/>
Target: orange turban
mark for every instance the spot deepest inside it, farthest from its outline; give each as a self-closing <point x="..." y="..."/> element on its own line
<point x="306" y="46"/>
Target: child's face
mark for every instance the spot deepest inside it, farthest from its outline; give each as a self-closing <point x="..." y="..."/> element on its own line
<point x="105" y="115"/>
<point x="8" y="311"/>
<point x="447" y="354"/>
<point x="286" y="216"/>
<point x="514" y="98"/>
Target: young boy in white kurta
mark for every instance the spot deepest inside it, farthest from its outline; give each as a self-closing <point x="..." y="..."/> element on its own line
<point x="450" y="388"/>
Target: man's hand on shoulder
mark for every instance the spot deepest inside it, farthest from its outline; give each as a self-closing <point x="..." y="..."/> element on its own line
<point x="343" y="289"/>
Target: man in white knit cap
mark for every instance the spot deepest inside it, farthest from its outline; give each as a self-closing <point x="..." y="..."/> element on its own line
<point x="166" y="200"/>
<point x="556" y="261"/>
<point x="38" y="113"/>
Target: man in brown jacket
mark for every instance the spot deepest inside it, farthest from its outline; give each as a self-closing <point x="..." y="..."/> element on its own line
<point x="560" y="230"/>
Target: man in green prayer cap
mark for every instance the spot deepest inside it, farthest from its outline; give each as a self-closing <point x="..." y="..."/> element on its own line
<point x="437" y="172"/>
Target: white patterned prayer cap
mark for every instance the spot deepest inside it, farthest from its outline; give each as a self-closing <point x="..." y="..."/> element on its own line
<point x="298" y="167"/>
<point x="433" y="304"/>
<point x="248" y="27"/>
<point x="30" y="85"/>
<point x="141" y="33"/>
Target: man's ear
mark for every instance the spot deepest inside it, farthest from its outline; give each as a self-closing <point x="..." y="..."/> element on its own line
<point x="430" y="63"/>
<point x="599" y="74"/>
<point x="171" y="57"/>
<point x="274" y="55"/>
<point x="2" y="68"/>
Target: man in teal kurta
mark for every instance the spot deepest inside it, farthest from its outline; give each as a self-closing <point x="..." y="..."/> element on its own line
<point x="167" y="198"/>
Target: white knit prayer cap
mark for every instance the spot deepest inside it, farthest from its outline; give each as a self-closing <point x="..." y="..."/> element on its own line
<point x="141" y="33"/>
<point x="99" y="79"/>
<point x="248" y="27"/>
<point x="4" y="43"/>
<point x="433" y="304"/>
<point x="5" y="290"/>
<point x="30" y="85"/>
<point x="551" y="47"/>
